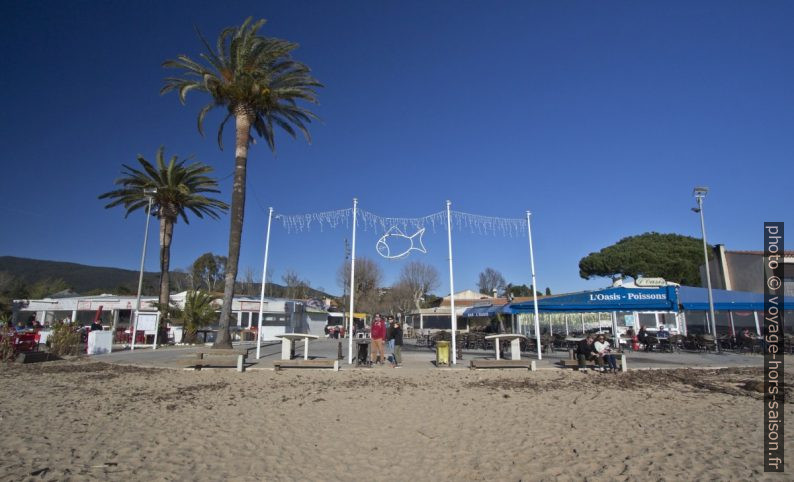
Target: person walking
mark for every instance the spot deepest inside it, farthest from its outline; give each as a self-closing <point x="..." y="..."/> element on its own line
<point x="378" y="335"/>
<point x="397" y="339"/>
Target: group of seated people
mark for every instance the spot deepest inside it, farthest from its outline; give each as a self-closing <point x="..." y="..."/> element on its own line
<point x="598" y="350"/>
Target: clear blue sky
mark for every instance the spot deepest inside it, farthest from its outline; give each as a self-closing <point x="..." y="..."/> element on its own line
<point x="600" y="117"/>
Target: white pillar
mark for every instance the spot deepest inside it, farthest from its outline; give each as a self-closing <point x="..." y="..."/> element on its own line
<point x="582" y="322"/>
<point x="534" y="287"/>
<point x="757" y="325"/>
<point x="262" y="291"/>
<point x="453" y="315"/>
<point x="352" y="285"/>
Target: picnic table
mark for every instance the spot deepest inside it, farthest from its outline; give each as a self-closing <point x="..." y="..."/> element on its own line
<point x="515" y="344"/>
<point x="288" y="344"/>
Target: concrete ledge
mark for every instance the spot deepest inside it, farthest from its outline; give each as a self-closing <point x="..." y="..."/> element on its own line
<point x="281" y="364"/>
<point x="620" y="359"/>
<point x="525" y="364"/>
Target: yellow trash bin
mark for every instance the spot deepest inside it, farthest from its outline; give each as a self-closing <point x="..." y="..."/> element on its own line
<point x="442" y="353"/>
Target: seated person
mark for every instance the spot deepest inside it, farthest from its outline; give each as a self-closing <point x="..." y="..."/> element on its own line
<point x="662" y="333"/>
<point x="585" y="351"/>
<point x="604" y="351"/>
<point x="96" y="325"/>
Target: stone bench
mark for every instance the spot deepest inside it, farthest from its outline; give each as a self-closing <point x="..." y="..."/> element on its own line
<point x="201" y="358"/>
<point x="620" y="360"/>
<point x="524" y="364"/>
<point x="281" y="364"/>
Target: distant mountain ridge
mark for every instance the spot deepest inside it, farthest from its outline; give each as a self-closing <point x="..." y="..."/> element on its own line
<point x="86" y="279"/>
<point x="80" y="278"/>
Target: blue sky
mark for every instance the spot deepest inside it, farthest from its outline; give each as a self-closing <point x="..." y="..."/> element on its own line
<point x="599" y="117"/>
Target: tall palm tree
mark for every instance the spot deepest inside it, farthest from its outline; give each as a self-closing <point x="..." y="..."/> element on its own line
<point x="259" y="84"/>
<point x="180" y="189"/>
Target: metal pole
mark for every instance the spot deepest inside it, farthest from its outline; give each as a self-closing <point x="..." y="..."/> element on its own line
<point x="708" y="275"/>
<point x="352" y="284"/>
<point x="264" y="281"/>
<point x="453" y="318"/>
<point x="140" y="276"/>
<point x="534" y="287"/>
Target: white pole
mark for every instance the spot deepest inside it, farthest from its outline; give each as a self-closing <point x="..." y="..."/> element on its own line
<point x="140" y="276"/>
<point x="453" y="318"/>
<point x="264" y="280"/>
<point x="615" y="337"/>
<point x="352" y="284"/>
<point x="534" y="287"/>
<point x="566" y="325"/>
<point x="582" y="323"/>
<point x="699" y="197"/>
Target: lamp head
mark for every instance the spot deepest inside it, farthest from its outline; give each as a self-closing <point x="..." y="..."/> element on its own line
<point x="149" y="191"/>
<point x="695" y="210"/>
<point x="700" y="191"/>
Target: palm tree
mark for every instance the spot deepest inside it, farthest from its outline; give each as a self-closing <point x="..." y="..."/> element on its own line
<point x="198" y="311"/>
<point x="180" y="189"/>
<point x="259" y="84"/>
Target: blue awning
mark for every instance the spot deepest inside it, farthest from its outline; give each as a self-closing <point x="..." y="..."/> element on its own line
<point x="662" y="298"/>
<point x="477" y="311"/>
<point x="697" y="299"/>
<point x="486" y="311"/>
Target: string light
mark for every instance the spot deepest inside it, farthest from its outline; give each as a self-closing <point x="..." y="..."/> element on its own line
<point x="303" y="222"/>
<point x="474" y="223"/>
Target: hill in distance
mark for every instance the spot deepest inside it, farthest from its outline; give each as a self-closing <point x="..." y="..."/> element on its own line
<point x="87" y="280"/>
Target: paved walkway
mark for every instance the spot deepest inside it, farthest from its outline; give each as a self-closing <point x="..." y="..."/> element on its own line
<point x="420" y="358"/>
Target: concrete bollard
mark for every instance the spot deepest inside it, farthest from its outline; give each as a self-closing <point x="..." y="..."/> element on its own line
<point x="623" y="367"/>
<point x="533" y="367"/>
<point x="240" y="363"/>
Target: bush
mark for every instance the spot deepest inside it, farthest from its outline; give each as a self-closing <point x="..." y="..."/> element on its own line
<point x="64" y="339"/>
<point x="6" y="347"/>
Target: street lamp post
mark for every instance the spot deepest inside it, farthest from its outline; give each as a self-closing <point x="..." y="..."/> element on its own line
<point x="699" y="193"/>
<point x="149" y="193"/>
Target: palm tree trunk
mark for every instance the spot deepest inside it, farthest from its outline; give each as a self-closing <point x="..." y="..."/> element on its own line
<point x="166" y="235"/>
<point x="243" y="131"/>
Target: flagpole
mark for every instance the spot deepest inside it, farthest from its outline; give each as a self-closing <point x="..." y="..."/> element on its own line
<point x="264" y="281"/>
<point x="454" y="318"/>
<point x="352" y="284"/>
<point x="534" y="287"/>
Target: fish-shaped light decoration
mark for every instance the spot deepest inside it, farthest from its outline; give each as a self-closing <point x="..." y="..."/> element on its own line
<point x="394" y="244"/>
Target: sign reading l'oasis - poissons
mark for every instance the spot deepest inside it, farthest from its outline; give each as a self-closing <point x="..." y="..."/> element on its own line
<point x="627" y="296"/>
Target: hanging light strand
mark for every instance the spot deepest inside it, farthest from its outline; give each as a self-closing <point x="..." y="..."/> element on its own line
<point x="303" y="222"/>
<point x="377" y="223"/>
<point x="489" y="225"/>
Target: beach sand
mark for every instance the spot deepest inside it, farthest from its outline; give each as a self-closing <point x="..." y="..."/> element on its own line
<point x="83" y="420"/>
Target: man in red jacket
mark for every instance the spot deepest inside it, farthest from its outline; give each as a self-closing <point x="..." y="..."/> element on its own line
<point x="378" y="335"/>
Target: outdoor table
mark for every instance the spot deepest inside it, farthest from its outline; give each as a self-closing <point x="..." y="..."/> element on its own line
<point x="515" y="344"/>
<point x="288" y="344"/>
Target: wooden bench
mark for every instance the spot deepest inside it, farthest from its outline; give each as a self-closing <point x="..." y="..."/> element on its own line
<point x="201" y="357"/>
<point x="620" y="361"/>
<point x="525" y="364"/>
<point x="281" y="364"/>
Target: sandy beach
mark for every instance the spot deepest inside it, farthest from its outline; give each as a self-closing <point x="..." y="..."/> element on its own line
<point x="85" y="420"/>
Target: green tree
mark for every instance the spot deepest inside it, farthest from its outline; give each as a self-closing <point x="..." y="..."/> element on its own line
<point x="180" y="189"/>
<point x="548" y="291"/>
<point x="47" y="287"/>
<point x="259" y="84"/>
<point x="199" y="311"/>
<point x="207" y="270"/>
<point x="673" y="257"/>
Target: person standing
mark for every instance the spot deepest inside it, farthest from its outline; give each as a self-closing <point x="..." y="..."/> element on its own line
<point x="378" y="335"/>
<point x="390" y="335"/>
<point x="397" y="339"/>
